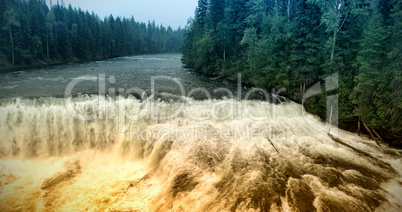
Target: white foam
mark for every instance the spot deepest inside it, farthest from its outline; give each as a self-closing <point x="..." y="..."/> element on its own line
<point x="169" y="165"/>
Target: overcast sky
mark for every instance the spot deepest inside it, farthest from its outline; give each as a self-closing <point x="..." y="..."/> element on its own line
<point x="167" y="12"/>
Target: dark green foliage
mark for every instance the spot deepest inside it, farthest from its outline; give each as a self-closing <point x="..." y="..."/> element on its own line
<point x="216" y="13"/>
<point x="201" y="12"/>
<point x="294" y="44"/>
<point x="62" y="34"/>
<point x="372" y="60"/>
<point x="395" y="69"/>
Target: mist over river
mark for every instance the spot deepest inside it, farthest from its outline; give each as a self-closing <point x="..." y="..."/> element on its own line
<point x="175" y="149"/>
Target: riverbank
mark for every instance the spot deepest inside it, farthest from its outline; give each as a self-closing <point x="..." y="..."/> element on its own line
<point x="40" y="64"/>
<point x="7" y="67"/>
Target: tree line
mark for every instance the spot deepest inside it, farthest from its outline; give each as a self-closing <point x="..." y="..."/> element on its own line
<point x="294" y="44"/>
<point x="31" y="32"/>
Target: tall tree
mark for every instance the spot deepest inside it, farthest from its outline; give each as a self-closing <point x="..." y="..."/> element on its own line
<point x="372" y="77"/>
<point x="11" y="23"/>
<point x="201" y="12"/>
<point x="216" y="13"/>
<point x="50" y="20"/>
<point x="235" y="15"/>
<point x="335" y="14"/>
<point x="396" y="68"/>
<point x="305" y="56"/>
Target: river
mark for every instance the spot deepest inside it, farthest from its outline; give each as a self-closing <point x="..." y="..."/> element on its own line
<point x="127" y="72"/>
<point x="143" y="133"/>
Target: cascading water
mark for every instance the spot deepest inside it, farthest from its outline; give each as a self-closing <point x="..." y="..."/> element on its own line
<point x="222" y="160"/>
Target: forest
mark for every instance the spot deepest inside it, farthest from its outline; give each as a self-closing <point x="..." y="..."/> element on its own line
<point x="294" y="44"/>
<point x="33" y="33"/>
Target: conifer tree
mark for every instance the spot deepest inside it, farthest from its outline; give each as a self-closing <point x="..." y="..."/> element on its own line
<point x="11" y="23"/>
<point x="372" y="77"/>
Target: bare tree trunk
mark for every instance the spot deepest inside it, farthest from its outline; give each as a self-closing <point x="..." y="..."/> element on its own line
<point x="289" y="9"/>
<point x="273" y="145"/>
<point x="378" y="135"/>
<point x="358" y="127"/>
<point x="47" y="45"/>
<point x="277" y="6"/>
<point x="337" y="140"/>
<point x="12" y="46"/>
<point x="334" y="44"/>
<point x="330" y="120"/>
<point x="337" y="29"/>
<point x="371" y="134"/>
<point x="301" y="89"/>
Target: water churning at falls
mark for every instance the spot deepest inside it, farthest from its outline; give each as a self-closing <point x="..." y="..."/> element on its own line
<point x="223" y="160"/>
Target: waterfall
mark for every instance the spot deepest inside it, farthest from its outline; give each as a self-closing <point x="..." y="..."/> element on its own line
<point x="218" y="155"/>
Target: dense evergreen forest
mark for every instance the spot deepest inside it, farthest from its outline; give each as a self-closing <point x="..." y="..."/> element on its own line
<point x="31" y="32"/>
<point x="295" y="43"/>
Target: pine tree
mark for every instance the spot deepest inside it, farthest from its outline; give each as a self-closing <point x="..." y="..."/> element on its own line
<point x="12" y="23"/>
<point x="395" y="69"/>
<point x="235" y="23"/>
<point x="215" y="13"/>
<point x="50" y="20"/>
<point x="201" y="12"/>
<point x="372" y="77"/>
<point x="305" y="55"/>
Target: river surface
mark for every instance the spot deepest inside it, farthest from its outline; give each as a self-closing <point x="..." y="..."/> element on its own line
<point x="119" y="73"/>
<point x="98" y="136"/>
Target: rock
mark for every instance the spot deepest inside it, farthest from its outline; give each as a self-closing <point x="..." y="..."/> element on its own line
<point x="72" y="169"/>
